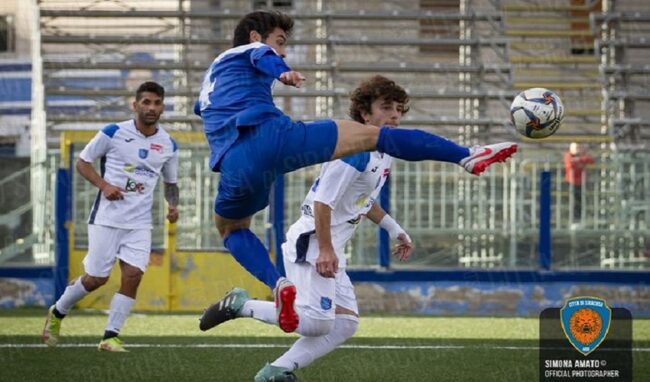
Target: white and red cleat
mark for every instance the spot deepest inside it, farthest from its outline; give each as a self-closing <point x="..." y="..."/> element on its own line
<point x="481" y="157"/>
<point x="285" y="296"/>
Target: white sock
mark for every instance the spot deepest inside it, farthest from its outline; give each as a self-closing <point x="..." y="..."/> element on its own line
<point x="70" y="296"/>
<point x="265" y="311"/>
<point x="120" y="308"/>
<point x="260" y="310"/>
<point x="308" y="349"/>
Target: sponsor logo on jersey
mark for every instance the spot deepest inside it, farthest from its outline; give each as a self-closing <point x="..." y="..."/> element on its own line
<point x="325" y="303"/>
<point x="585" y="322"/>
<point x="143" y="171"/>
<point x="143" y="153"/>
<point x="156" y="147"/>
<point x="386" y="171"/>
<point x="139" y="170"/>
<point x="133" y="186"/>
<point x="306" y="210"/>
<point x="127" y="140"/>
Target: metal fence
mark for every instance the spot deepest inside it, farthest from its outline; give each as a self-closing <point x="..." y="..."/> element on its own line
<point x="455" y="219"/>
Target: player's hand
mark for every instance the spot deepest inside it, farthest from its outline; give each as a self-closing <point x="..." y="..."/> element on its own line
<point x="292" y="78"/>
<point x="111" y="192"/>
<point x="404" y="249"/>
<point x="327" y="264"/>
<point x="172" y="214"/>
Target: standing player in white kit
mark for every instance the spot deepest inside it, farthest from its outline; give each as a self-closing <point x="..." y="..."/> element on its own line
<point x="344" y="192"/>
<point x="134" y="154"/>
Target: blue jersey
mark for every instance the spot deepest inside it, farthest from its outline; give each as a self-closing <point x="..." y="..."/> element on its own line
<point x="236" y="91"/>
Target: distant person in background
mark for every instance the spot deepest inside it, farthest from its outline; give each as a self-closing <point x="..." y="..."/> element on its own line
<point x="575" y="161"/>
<point x="134" y="154"/>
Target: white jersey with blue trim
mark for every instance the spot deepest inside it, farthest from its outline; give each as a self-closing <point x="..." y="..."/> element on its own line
<point x="349" y="186"/>
<point x="133" y="162"/>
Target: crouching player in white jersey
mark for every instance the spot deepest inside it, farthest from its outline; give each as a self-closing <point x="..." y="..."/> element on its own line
<point x="134" y="154"/>
<point x="341" y="196"/>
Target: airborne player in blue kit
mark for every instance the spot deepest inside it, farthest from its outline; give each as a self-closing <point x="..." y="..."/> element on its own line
<point x="252" y="142"/>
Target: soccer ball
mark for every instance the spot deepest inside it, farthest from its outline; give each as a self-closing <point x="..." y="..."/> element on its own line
<point x="537" y="112"/>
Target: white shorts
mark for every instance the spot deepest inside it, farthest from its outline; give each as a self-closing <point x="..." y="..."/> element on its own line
<point x="107" y="244"/>
<point x="318" y="296"/>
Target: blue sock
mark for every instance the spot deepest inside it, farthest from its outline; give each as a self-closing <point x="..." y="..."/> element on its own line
<point x="417" y="145"/>
<point x="249" y="251"/>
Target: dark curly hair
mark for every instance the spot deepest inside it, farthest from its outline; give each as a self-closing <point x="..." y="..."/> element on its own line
<point x="263" y="22"/>
<point x="372" y="89"/>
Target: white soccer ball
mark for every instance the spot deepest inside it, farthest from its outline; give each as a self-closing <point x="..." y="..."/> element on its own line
<point x="537" y="112"/>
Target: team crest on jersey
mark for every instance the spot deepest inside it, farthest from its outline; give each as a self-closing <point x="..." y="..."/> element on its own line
<point x="386" y="172"/>
<point x="325" y="303"/>
<point x="156" y="147"/>
<point x="143" y="153"/>
<point x="585" y="321"/>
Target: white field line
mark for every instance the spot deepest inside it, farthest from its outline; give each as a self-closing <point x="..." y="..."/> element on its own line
<point x="267" y="346"/>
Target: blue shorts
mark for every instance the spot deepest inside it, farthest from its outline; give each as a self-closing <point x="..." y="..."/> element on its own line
<point x="261" y="153"/>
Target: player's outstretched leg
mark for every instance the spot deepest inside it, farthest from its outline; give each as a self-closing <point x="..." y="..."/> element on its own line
<point x="418" y="145"/>
<point x="270" y="373"/>
<point x="285" y="296"/>
<point x="481" y="157"/>
<point x="228" y="308"/>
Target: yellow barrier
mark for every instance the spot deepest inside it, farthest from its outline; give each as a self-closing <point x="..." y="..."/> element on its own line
<point x="180" y="282"/>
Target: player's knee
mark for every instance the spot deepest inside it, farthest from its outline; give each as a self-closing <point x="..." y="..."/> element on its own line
<point x="90" y="283"/>
<point x="132" y="278"/>
<point x="354" y="137"/>
<point x="227" y="226"/>
<point x="310" y="327"/>
<point x="344" y="327"/>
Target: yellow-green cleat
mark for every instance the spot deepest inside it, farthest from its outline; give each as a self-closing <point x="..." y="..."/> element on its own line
<point x="113" y="344"/>
<point x="52" y="328"/>
<point x="270" y="373"/>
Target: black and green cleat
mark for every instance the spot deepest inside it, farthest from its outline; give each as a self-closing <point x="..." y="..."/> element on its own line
<point x="228" y="308"/>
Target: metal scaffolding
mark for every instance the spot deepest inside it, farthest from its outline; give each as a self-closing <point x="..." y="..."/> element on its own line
<point x="461" y="66"/>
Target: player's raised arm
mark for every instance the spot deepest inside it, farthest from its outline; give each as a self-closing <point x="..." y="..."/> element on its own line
<point x="292" y="78"/>
<point x="270" y="62"/>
